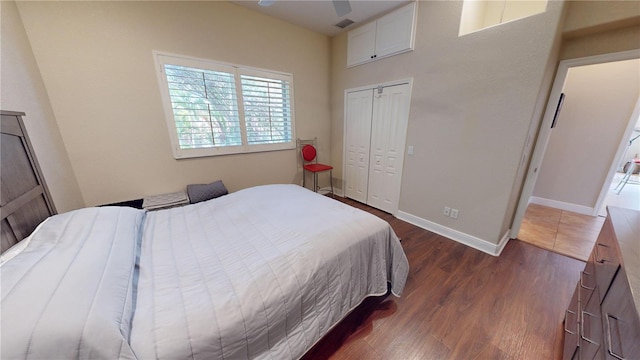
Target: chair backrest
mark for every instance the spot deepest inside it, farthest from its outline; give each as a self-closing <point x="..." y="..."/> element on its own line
<point x="308" y="152"/>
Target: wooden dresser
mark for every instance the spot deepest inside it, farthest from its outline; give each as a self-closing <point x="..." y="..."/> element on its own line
<point x="602" y="321"/>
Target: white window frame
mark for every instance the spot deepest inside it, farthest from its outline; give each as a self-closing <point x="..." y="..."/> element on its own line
<point x="162" y="58"/>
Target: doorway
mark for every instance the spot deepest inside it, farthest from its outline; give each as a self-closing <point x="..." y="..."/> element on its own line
<point x="565" y="174"/>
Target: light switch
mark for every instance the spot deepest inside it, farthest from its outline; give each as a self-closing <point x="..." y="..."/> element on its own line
<point x="410" y="150"/>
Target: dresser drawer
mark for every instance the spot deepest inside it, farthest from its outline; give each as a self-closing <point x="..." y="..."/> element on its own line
<point x="606" y="258"/>
<point x="590" y="327"/>
<point x="620" y="320"/>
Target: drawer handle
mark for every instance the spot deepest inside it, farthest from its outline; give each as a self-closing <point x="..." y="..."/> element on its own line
<point x="582" y="273"/>
<point x="610" y="342"/>
<point x="566" y="317"/>
<point x="598" y="259"/>
<point x="582" y="329"/>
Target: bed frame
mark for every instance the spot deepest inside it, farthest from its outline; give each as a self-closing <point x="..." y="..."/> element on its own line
<point x="24" y="198"/>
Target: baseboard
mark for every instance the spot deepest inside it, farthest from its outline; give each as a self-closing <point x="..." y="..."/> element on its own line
<point x="580" y="209"/>
<point x="455" y="235"/>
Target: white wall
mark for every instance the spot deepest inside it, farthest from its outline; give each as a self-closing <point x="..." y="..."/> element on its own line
<point x="599" y="102"/>
<point x="22" y="89"/>
<point x="97" y="65"/>
<point x="474" y="99"/>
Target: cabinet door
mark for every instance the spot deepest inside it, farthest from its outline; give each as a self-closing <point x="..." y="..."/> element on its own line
<point x="388" y="137"/>
<point x="395" y="31"/>
<point x="361" y="44"/>
<point x="357" y="142"/>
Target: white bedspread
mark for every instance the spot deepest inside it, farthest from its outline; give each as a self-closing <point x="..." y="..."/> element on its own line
<point x="261" y="273"/>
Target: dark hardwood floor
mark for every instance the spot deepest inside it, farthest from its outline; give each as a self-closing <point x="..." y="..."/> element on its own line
<point x="460" y="303"/>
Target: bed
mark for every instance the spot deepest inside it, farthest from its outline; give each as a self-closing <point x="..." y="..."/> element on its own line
<point x="261" y="273"/>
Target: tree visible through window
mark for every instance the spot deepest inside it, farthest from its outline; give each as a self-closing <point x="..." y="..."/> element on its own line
<point x="215" y="109"/>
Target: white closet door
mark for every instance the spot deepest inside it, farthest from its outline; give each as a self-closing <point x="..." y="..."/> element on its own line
<point x="388" y="137"/>
<point x="358" y="140"/>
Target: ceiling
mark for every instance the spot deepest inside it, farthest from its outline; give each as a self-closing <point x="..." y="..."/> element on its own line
<point x="320" y="15"/>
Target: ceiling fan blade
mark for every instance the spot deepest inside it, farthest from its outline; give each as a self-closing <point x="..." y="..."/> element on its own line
<point x="342" y="7"/>
<point x="266" y="3"/>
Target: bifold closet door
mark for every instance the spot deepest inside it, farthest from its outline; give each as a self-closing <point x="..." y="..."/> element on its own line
<point x="358" y="142"/>
<point x="388" y="137"/>
<point x="375" y="136"/>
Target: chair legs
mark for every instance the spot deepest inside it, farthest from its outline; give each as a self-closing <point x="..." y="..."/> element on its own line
<point x="627" y="176"/>
<point x="315" y="181"/>
<point x="331" y="182"/>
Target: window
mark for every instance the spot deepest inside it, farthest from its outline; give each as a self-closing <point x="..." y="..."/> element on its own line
<point x="216" y="109"/>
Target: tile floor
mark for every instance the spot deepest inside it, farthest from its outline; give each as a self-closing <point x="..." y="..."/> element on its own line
<point x="570" y="233"/>
<point x="560" y="231"/>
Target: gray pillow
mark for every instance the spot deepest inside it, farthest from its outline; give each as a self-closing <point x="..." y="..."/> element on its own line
<point x="202" y="192"/>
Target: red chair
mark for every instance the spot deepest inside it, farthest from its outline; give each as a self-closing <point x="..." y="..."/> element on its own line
<point x="310" y="163"/>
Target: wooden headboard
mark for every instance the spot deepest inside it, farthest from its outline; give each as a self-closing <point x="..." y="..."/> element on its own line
<point x="24" y="198"/>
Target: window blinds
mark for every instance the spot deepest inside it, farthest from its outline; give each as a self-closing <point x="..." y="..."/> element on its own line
<point x="215" y="109"/>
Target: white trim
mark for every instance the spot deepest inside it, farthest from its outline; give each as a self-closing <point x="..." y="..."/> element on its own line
<point x="580" y="209"/>
<point x="545" y="126"/>
<point x="455" y="235"/>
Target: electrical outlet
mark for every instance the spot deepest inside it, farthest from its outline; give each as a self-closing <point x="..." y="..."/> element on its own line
<point x="454" y="213"/>
<point x="446" y="211"/>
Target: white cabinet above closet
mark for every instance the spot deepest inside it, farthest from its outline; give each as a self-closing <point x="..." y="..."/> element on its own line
<point x="391" y="34"/>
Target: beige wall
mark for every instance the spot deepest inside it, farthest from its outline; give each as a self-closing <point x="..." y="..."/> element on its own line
<point x="97" y="65"/>
<point x="587" y="17"/>
<point x="600" y="27"/>
<point x="22" y="89"/>
<point x="474" y="99"/>
<point x="597" y="109"/>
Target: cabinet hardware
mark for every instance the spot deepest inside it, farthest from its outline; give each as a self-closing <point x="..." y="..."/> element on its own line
<point x="582" y="273"/>
<point x="582" y="328"/>
<point x="597" y="254"/>
<point x="566" y="317"/>
<point x="609" y="339"/>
